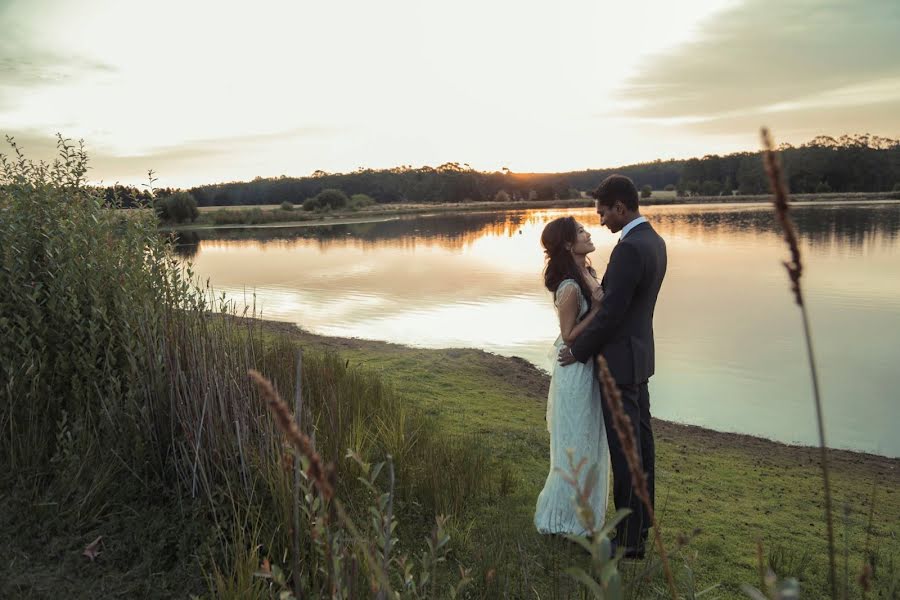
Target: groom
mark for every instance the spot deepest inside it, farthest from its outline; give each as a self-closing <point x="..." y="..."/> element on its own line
<point x="623" y="333"/>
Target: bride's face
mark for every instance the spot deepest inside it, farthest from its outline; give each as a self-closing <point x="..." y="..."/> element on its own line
<point x="583" y="244"/>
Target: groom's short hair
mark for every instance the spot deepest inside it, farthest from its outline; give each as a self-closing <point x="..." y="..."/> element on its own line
<point x="617" y="188"/>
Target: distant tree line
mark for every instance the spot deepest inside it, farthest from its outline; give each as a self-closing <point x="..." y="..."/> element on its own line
<point x="450" y="182"/>
<point x="858" y="163"/>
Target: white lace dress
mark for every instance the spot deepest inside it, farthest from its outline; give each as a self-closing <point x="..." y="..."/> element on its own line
<point x="575" y="420"/>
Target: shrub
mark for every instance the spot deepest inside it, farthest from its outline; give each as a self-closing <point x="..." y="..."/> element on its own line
<point x="897" y="187"/>
<point x="161" y="208"/>
<point x="358" y="201"/>
<point x="670" y="187"/>
<point x="122" y="386"/>
<point x="646" y="191"/>
<point x="501" y="196"/>
<point x="182" y="207"/>
<point x="178" y="207"/>
<point x="332" y="198"/>
<point x="78" y="332"/>
<point x="287" y="205"/>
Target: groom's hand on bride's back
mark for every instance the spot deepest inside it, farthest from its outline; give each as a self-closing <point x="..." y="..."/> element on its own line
<point x="565" y="356"/>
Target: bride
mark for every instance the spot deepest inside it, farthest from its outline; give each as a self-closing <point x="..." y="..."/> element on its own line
<point x="574" y="414"/>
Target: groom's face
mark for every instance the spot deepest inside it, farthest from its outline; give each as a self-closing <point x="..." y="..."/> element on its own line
<point x="612" y="217"/>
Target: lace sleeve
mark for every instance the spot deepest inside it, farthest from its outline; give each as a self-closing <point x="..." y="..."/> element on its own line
<point x="566" y="291"/>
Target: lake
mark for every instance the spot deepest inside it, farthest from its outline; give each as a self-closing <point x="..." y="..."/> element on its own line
<point x="730" y="354"/>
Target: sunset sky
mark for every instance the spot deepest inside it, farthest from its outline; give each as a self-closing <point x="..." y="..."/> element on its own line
<point x="205" y="91"/>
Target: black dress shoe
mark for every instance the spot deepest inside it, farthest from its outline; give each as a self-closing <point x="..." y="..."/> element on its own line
<point x="630" y="553"/>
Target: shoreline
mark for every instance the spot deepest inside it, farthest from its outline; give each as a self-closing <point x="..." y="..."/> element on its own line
<point x="533" y="383"/>
<point x="387" y="212"/>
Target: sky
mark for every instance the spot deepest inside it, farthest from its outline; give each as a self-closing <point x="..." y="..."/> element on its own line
<point x="206" y="91"/>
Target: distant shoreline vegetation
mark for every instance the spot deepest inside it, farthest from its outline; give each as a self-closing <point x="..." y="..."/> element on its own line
<point x="849" y="164"/>
<point x="213" y="217"/>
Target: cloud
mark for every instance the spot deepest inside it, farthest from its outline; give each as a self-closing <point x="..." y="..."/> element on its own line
<point x="27" y="64"/>
<point x="222" y="158"/>
<point x="815" y="63"/>
<point x="27" y="67"/>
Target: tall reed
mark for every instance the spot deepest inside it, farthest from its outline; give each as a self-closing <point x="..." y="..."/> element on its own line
<point x="794" y="267"/>
<point x="124" y="380"/>
<point x="622" y="425"/>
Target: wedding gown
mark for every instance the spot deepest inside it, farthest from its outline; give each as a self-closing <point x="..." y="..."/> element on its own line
<point x="575" y="420"/>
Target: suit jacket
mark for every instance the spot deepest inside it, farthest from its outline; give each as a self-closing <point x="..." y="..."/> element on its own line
<point x="623" y="329"/>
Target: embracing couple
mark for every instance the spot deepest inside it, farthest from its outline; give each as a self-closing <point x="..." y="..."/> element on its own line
<point x="612" y="317"/>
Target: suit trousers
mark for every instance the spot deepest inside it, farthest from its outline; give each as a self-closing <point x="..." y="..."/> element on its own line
<point x="632" y="531"/>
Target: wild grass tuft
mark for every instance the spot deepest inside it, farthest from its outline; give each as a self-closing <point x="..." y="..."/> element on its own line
<point x="125" y="382"/>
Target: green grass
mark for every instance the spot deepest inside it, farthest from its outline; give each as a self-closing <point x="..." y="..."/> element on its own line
<point x="736" y="489"/>
<point x="148" y="549"/>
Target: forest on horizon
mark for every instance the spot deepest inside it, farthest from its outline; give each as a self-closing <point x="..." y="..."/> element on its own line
<point x="848" y="164"/>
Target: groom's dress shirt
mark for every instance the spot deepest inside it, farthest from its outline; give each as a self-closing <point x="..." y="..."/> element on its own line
<point x="631" y="225"/>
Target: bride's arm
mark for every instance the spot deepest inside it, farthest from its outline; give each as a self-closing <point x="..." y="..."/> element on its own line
<point x="568" y="307"/>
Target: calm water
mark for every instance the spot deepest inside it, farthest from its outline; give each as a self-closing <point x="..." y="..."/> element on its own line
<point x="730" y="355"/>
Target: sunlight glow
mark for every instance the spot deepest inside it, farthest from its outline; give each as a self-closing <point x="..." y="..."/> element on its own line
<point x="206" y="91"/>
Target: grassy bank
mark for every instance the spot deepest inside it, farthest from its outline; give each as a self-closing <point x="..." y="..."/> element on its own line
<point x="736" y="489"/>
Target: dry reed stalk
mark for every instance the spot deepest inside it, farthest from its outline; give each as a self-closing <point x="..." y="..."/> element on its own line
<point x="385" y="559"/>
<point x="794" y="268"/>
<point x="320" y="475"/>
<point x="622" y="426"/>
<point x="298" y="411"/>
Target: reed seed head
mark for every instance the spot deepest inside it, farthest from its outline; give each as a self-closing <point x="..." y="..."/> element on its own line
<point x="321" y="475"/>
<point x="794" y="266"/>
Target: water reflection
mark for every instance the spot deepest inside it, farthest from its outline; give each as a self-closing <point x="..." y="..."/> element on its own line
<point x="727" y="332"/>
<point x="450" y="231"/>
<point x="187" y="244"/>
<point x="819" y="224"/>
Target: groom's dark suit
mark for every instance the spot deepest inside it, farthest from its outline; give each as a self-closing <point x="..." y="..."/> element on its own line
<point x="623" y="333"/>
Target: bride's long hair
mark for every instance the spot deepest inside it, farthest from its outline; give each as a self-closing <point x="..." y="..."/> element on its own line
<point x="560" y="266"/>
